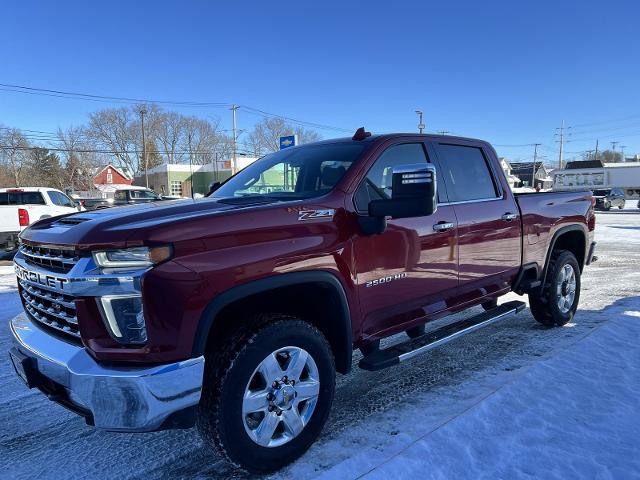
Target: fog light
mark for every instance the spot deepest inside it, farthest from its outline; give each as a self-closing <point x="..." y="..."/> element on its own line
<point x="124" y="317"/>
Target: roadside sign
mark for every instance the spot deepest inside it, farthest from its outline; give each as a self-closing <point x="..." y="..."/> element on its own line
<point x="288" y="141"/>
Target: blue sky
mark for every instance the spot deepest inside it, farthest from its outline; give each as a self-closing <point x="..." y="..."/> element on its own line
<point x="505" y="71"/>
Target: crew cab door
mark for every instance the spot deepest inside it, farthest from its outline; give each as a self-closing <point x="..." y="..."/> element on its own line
<point x="489" y="230"/>
<point x="410" y="270"/>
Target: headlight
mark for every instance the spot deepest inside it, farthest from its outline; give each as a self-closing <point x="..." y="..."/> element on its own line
<point x="132" y="257"/>
<point x="124" y="317"/>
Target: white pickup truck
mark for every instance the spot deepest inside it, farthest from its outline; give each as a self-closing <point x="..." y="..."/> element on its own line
<point x="20" y="207"/>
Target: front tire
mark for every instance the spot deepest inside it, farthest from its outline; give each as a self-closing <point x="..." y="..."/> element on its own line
<point x="556" y="303"/>
<point x="267" y="394"/>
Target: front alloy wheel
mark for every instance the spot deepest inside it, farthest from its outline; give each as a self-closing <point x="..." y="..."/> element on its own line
<point x="280" y="397"/>
<point x="267" y="392"/>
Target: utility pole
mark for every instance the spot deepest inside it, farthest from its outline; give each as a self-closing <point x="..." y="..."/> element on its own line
<point x="613" y="145"/>
<point x="596" y="154"/>
<point x="234" y="166"/>
<point x="535" y="158"/>
<point x="622" y="147"/>
<point x="191" y="164"/>
<point x="144" y="148"/>
<point x="420" y="124"/>
<point x="561" y="145"/>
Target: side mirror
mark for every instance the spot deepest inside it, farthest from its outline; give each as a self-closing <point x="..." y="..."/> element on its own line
<point x="414" y="193"/>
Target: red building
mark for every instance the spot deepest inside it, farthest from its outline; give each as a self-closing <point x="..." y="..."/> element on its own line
<point x="111" y="175"/>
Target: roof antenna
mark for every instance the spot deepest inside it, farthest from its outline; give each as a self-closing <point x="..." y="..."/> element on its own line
<point x="360" y="134"/>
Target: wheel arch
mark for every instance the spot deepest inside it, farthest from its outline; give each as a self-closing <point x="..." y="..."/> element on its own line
<point x="323" y="293"/>
<point x="572" y="238"/>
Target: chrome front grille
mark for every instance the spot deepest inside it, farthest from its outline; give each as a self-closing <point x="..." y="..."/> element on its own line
<point x="51" y="308"/>
<point x="54" y="259"/>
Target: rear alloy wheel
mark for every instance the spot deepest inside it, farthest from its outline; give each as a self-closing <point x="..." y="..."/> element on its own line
<point x="557" y="301"/>
<point x="267" y="393"/>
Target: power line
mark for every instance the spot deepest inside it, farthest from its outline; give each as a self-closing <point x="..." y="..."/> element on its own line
<point x="107" y="98"/>
<point x="86" y="96"/>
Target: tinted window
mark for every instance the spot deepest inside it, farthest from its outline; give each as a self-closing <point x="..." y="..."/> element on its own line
<point x="143" y="194"/>
<point x="379" y="180"/>
<point x="21" y="198"/>
<point x="466" y="172"/>
<point x="120" y="195"/>
<point x="32" y="198"/>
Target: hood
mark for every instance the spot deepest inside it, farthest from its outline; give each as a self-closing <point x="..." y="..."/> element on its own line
<point x="117" y="227"/>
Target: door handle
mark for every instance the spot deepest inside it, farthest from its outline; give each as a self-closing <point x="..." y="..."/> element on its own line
<point x="443" y="226"/>
<point x="509" y="216"/>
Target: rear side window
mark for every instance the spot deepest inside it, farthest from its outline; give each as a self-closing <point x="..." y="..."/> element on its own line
<point x="32" y="198"/>
<point x="466" y="173"/>
<point x="21" y="198"/>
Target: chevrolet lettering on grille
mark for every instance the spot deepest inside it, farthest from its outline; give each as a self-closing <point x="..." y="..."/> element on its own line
<point x="46" y="280"/>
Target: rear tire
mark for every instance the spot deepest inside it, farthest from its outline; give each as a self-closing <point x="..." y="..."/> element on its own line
<point x="556" y="303"/>
<point x="231" y="415"/>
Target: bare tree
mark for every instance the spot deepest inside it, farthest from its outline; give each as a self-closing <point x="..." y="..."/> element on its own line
<point x="203" y="142"/>
<point x="170" y="130"/>
<point x="80" y="162"/>
<point x="13" y="154"/>
<point x="266" y="134"/>
<point x="115" y="129"/>
<point x="119" y="130"/>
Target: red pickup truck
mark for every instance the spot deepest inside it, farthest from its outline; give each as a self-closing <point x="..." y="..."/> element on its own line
<point x="235" y="312"/>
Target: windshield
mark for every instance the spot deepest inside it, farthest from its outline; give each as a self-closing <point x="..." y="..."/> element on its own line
<point x="292" y="174"/>
<point x="601" y="193"/>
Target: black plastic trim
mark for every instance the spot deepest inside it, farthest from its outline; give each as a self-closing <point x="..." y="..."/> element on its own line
<point x="552" y="243"/>
<point x="344" y="353"/>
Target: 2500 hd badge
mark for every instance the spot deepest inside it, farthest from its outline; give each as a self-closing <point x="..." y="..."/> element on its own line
<point x="46" y="280"/>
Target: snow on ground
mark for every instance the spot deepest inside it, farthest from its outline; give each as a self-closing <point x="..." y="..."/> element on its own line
<point x="513" y="400"/>
<point x="573" y="414"/>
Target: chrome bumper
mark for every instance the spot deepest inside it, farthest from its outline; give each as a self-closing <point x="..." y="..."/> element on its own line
<point x="128" y="399"/>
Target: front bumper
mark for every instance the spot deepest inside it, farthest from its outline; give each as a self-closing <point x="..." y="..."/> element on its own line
<point x="128" y="399"/>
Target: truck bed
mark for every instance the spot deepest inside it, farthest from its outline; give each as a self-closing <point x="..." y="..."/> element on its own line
<point x="543" y="214"/>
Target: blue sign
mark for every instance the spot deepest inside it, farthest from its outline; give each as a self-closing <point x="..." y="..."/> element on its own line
<point x="288" y="141"/>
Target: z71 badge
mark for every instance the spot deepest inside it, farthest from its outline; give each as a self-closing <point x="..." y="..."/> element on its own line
<point x="326" y="213"/>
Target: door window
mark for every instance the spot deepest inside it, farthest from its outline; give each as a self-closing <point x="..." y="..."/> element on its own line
<point x="467" y="173"/>
<point x="379" y="180"/>
<point x="60" y="199"/>
<point x="120" y="195"/>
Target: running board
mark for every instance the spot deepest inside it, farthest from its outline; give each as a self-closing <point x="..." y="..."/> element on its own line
<point x="404" y="351"/>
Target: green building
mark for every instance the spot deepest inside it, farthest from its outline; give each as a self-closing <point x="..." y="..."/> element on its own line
<point x="181" y="180"/>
